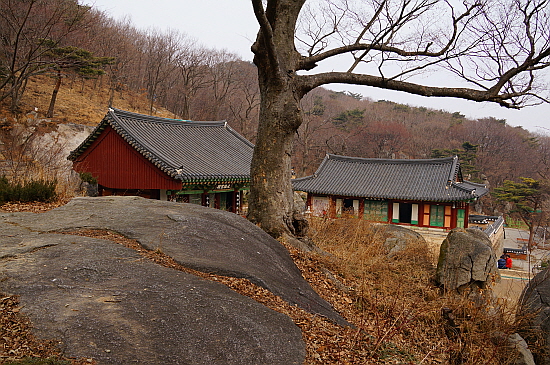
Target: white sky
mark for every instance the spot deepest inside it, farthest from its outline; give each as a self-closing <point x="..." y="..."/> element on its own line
<point x="231" y="25"/>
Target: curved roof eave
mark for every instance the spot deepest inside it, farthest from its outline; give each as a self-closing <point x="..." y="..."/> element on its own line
<point x="404" y="198"/>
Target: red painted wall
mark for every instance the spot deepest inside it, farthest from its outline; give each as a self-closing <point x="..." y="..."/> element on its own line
<point x="117" y="165"/>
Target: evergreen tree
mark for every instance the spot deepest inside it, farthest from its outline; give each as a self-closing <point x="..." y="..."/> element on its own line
<point x="528" y="198"/>
<point x="74" y="59"/>
<point x="466" y="155"/>
<point x="349" y="118"/>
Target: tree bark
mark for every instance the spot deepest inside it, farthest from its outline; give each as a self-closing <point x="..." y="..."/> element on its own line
<point x="271" y="201"/>
<point x="54" y="96"/>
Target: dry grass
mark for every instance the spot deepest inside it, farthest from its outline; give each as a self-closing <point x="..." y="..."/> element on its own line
<point x="401" y="315"/>
<point x="81" y="102"/>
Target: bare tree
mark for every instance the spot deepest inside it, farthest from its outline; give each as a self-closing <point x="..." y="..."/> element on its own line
<point x="161" y="50"/>
<point x="245" y="100"/>
<point x="223" y="67"/>
<point x="114" y="38"/>
<point x="498" y="48"/>
<point x="543" y="155"/>
<point x="29" y="30"/>
<point x="381" y="140"/>
<point x="310" y="141"/>
<point x="192" y="70"/>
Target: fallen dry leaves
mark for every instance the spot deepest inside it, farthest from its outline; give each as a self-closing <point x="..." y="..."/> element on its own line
<point x="33" y="207"/>
<point x="17" y="340"/>
<point x="15" y="337"/>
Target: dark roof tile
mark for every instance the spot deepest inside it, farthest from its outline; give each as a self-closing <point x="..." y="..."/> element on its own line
<point x="424" y="180"/>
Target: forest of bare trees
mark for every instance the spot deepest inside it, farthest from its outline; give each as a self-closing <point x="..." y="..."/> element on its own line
<point x="193" y="82"/>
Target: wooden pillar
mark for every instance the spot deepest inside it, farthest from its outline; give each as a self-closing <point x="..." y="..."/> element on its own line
<point x="453" y="215"/>
<point x="235" y="199"/>
<point x="217" y="200"/>
<point x="309" y="202"/>
<point x="332" y="206"/>
<point x="466" y="214"/>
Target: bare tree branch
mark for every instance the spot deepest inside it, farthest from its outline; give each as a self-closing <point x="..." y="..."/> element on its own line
<point x="506" y="99"/>
<point x="267" y="34"/>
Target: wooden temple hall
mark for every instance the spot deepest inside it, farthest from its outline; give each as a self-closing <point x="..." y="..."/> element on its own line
<point x="424" y="193"/>
<point x="205" y="163"/>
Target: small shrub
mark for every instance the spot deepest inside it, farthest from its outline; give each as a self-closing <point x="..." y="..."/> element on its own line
<point x="88" y="177"/>
<point x="4" y="189"/>
<point x="39" y="190"/>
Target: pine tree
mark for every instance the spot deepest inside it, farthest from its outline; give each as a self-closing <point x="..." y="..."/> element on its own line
<point x="528" y="198"/>
<point x="74" y="59"/>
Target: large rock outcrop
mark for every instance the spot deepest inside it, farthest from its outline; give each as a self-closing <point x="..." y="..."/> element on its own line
<point x="397" y="237"/>
<point x="102" y="300"/>
<point x="466" y="260"/>
<point x="534" y="314"/>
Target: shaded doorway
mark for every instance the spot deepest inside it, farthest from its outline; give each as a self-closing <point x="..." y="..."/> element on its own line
<point x="405" y="212"/>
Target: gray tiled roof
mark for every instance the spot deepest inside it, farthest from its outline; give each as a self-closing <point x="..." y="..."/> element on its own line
<point x="185" y="150"/>
<point x="423" y="180"/>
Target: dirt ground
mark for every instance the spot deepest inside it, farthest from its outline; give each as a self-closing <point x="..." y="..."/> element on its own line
<point x="511" y="285"/>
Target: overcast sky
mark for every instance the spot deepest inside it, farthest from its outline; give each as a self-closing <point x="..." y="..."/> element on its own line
<point x="230" y="25"/>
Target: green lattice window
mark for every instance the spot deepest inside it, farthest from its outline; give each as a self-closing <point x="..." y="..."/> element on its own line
<point x="376" y="210"/>
<point x="460" y="215"/>
<point x="437" y="215"/>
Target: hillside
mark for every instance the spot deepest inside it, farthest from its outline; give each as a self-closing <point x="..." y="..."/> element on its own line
<point x="186" y="80"/>
<point x="79" y="101"/>
<point x="334" y="122"/>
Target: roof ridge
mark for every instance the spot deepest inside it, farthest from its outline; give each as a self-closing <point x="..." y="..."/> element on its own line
<point x="388" y="160"/>
<point x="238" y="135"/>
<point x="455" y="168"/>
<point x="152" y="118"/>
<point x="467" y="182"/>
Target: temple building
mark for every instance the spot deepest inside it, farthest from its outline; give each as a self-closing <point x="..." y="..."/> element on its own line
<point x="205" y="163"/>
<point x="422" y="192"/>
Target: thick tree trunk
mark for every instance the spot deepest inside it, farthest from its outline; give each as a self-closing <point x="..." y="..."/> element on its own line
<point x="17" y="90"/>
<point x="271" y="203"/>
<point x="271" y="194"/>
<point x="185" y="113"/>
